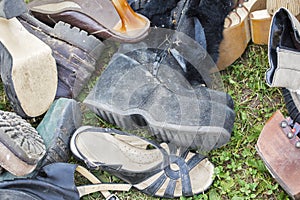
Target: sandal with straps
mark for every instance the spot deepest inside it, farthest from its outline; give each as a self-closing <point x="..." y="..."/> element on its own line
<point x="151" y="168"/>
<point x="101" y="18"/>
<point x="56" y="182"/>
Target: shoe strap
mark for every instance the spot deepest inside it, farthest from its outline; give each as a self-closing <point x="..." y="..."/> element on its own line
<point x="98" y="186"/>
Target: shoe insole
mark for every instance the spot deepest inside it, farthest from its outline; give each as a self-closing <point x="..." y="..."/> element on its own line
<point x="110" y="150"/>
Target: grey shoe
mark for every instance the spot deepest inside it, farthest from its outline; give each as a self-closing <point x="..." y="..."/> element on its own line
<point x="20" y="145"/>
<point x="133" y="93"/>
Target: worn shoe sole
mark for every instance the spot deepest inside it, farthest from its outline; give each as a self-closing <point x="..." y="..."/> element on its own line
<point x="28" y="70"/>
<point x="21" y="146"/>
<point x="203" y="138"/>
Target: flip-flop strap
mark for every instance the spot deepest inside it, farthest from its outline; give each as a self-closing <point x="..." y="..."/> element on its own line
<point x="98" y="186"/>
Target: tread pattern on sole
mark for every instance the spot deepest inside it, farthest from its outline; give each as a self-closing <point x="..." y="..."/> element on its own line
<point x="21" y="138"/>
<point x="202" y="142"/>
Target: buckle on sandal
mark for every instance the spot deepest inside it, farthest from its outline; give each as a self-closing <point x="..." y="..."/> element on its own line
<point x="112" y="197"/>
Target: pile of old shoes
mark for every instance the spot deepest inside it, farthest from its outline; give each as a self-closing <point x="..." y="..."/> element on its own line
<point x="33" y="56"/>
<point x="160" y="80"/>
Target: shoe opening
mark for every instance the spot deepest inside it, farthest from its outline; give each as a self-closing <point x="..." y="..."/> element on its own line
<point x="139" y="120"/>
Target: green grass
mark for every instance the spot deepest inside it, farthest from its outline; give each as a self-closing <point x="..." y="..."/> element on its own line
<point x="239" y="172"/>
